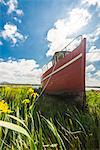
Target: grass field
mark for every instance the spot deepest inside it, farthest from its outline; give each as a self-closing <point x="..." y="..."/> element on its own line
<point x="50" y="124"/>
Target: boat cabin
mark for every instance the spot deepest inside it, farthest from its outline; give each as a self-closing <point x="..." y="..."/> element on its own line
<point x="59" y="55"/>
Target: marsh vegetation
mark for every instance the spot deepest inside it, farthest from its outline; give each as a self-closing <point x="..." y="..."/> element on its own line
<point x="49" y="124"/>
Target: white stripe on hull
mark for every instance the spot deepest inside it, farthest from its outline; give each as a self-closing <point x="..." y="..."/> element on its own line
<point x="64" y="66"/>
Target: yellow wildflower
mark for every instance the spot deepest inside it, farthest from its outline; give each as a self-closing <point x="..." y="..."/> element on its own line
<point x="35" y="95"/>
<point x="4" y="107"/>
<point x="25" y="101"/>
<point x="30" y="91"/>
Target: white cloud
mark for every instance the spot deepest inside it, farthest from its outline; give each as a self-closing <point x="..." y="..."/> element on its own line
<point x="90" y="68"/>
<point x="92" y="2"/>
<point x="2" y="1"/>
<point x="97" y="32"/>
<point x="93" y="57"/>
<point x="99" y="14"/>
<point x="13" y="7"/>
<point x="92" y="81"/>
<point x="16" y="19"/>
<point x="94" y="49"/>
<point x="11" y="33"/>
<point x="63" y="29"/>
<point x="98" y="73"/>
<point x="19" y="12"/>
<point x="21" y="71"/>
<point x="1" y="43"/>
<point x="93" y="37"/>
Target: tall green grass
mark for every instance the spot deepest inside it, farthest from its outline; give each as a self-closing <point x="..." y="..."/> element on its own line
<point x="54" y="124"/>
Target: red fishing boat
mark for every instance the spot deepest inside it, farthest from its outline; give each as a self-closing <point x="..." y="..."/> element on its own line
<point x="67" y="73"/>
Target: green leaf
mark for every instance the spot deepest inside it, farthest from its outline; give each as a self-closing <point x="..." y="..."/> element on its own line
<point x="55" y="132"/>
<point x="17" y="119"/>
<point x="40" y="133"/>
<point x="14" y="127"/>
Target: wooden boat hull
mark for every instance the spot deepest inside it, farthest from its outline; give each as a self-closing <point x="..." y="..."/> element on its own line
<point x="68" y="75"/>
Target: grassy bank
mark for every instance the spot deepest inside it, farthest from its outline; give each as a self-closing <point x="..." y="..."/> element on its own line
<point x="52" y="123"/>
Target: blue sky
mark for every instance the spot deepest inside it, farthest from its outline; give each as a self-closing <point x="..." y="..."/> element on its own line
<point x="39" y="16"/>
<point x="32" y="30"/>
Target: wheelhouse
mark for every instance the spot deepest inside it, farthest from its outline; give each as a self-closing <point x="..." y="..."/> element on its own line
<point x="59" y="55"/>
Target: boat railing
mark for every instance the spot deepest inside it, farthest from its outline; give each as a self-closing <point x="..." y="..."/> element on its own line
<point x="47" y="66"/>
<point x="73" y="44"/>
<point x="68" y="48"/>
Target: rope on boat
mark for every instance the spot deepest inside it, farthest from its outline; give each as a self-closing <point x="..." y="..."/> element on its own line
<point x="45" y="85"/>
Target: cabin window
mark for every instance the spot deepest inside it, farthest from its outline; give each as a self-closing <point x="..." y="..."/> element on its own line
<point x="67" y="52"/>
<point x="60" y="56"/>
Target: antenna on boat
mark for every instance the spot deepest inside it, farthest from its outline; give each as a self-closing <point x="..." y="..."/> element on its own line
<point x="72" y="42"/>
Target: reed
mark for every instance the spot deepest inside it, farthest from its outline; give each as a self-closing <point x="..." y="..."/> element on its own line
<point x="52" y="125"/>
